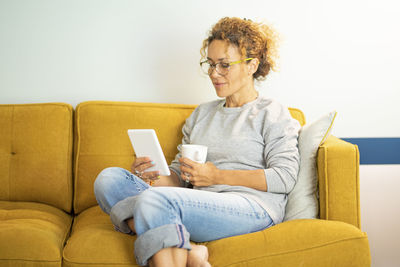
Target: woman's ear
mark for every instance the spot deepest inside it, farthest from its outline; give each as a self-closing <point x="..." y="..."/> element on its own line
<point x="253" y="66"/>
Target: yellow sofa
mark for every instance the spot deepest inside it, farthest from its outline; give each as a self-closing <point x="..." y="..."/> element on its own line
<point x="50" y="155"/>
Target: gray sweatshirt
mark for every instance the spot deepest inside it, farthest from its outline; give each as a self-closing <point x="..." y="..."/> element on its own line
<point x="259" y="135"/>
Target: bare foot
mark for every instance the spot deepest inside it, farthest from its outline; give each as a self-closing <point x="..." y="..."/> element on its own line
<point x="131" y="224"/>
<point x="198" y="256"/>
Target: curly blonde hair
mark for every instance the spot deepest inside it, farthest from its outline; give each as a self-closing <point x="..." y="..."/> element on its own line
<point x="255" y="40"/>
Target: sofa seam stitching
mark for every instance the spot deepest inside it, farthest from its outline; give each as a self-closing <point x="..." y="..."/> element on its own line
<point x="358" y="187"/>
<point x="12" y="150"/>
<point x="70" y="155"/>
<point x="327" y="194"/>
<point x="95" y="263"/>
<point x="31" y="260"/>
<point x="137" y="104"/>
<point x="76" y="157"/>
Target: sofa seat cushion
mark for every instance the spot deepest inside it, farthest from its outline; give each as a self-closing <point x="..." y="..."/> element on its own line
<point x="32" y="234"/>
<point x="94" y="242"/>
<point x="306" y="242"/>
<point x="294" y="243"/>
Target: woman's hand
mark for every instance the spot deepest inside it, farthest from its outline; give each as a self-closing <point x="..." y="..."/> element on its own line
<point x="199" y="174"/>
<point x="139" y="167"/>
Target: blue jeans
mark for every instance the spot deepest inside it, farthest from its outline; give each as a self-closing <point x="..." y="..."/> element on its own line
<point x="172" y="216"/>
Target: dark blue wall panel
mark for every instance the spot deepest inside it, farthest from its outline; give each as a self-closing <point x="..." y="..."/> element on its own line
<point x="377" y="150"/>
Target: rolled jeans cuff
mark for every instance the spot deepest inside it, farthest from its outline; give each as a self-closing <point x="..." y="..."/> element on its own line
<point x="152" y="241"/>
<point x="122" y="211"/>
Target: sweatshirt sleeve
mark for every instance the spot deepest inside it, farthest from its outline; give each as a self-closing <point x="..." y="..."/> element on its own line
<point x="281" y="151"/>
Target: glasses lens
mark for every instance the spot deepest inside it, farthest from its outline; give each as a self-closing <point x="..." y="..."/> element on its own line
<point x="222" y="68"/>
<point x="205" y="67"/>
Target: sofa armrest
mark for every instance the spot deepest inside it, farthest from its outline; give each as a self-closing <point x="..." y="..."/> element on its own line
<point x="338" y="175"/>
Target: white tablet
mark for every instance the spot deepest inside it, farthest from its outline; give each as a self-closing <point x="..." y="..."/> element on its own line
<point x="145" y="144"/>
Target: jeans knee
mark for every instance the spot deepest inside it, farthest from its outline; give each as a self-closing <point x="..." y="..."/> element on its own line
<point x="101" y="181"/>
<point x="106" y="180"/>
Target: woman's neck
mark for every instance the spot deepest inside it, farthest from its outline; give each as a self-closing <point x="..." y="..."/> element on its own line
<point x="233" y="101"/>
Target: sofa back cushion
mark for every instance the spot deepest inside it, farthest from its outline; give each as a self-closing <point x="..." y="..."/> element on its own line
<point x="36" y="153"/>
<point x="101" y="138"/>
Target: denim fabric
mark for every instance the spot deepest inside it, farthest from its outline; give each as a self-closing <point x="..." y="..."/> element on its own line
<point x="115" y="184"/>
<point x="169" y="216"/>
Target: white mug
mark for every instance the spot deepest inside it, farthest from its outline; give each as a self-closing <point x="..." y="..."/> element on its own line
<point x="196" y="153"/>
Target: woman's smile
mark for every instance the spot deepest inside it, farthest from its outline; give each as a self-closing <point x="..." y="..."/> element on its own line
<point x="219" y="85"/>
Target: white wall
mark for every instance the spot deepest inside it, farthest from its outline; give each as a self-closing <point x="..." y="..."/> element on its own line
<point x="380" y="212"/>
<point x="340" y="55"/>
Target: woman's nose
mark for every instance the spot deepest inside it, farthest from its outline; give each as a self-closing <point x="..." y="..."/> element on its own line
<point x="214" y="73"/>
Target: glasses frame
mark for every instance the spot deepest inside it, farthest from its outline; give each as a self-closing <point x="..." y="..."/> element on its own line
<point x="214" y="66"/>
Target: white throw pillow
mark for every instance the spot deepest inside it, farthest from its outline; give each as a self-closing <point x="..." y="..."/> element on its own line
<point x="302" y="201"/>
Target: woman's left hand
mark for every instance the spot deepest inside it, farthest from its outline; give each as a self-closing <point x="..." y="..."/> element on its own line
<point x="198" y="174"/>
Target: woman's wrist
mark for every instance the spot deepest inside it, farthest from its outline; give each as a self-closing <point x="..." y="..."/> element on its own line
<point x="218" y="176"/>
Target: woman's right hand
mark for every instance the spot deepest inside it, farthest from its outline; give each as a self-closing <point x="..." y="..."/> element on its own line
<point x="139" y="167"/>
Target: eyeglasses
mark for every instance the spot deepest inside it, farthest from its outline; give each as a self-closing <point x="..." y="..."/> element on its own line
<point x="222" y="68"/>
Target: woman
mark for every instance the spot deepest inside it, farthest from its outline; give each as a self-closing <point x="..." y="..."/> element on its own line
<point x="252" y="161"/>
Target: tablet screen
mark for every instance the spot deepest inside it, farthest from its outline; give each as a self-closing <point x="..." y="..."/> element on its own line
<point x="145" y="143"/>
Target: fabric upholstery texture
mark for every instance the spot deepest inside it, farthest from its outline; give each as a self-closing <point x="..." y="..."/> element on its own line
<point x="104" y="246"/>
<point x="339" y="181"/>
<point x="32" y="234"/>
<point x="36" y="153"/>
<point x="38" y="226"/>
<point x="308" y="242"/>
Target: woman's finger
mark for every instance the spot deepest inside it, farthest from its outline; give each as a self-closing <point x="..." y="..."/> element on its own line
<point x="140" y="161"/>
<point x="151" y="175"/>
<point x="142" y="164"/>
<point x="191" y="170"/>
<point x="186" y="169"/>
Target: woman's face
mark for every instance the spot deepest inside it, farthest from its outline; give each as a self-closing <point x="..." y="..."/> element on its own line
<point x="239" y="79"/>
